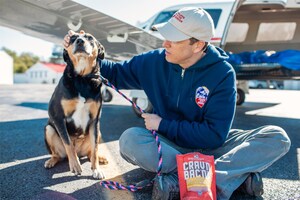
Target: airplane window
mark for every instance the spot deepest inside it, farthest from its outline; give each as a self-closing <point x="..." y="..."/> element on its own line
<point x="281" y="31"/>
<point x="215" y="15"/>
<point x="163" y="17"/>
<point x="237" y="32"/>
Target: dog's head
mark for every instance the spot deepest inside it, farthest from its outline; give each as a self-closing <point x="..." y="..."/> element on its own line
<point x="83" y="52"/>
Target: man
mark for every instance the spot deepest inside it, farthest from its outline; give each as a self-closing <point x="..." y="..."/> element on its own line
<point x="193" y="92"/>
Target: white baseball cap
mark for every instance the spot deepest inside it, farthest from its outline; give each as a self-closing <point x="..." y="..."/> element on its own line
<point x="188" y="22"/>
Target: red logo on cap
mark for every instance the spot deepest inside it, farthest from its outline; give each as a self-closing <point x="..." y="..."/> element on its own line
<point x="179" y="17"/>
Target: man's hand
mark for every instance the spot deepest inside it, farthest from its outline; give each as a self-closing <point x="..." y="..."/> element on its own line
<point x="152" y="121"/>
<point x="67" y="37"/>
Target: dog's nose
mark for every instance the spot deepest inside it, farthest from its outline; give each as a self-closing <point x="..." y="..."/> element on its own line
<point x="79" y="41"/>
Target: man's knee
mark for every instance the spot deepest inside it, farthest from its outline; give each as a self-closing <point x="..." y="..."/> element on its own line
<point x="137" y="146"/>
<point x="280" y="135"/>
<point x="286" y="142"/>
<point x="131" y="138"/>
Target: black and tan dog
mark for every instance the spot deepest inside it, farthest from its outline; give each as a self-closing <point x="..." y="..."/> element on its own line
<point x="73" y="128"/>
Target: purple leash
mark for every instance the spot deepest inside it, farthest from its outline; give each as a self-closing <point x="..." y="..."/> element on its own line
<point x="133" y="188"/>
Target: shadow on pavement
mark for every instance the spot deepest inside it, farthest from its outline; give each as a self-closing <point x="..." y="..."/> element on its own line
<point x="287" y="166"/>
<point x="24" y="139"/>
<point x="116" y="119"/>
<point x="247" y="106"/>
<point x="27" y="180"/>
<point x="96" y="191"/>
<point x="35" y="105"/>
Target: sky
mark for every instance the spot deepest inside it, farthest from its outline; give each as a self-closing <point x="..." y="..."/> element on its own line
<point x="130" y="11"/>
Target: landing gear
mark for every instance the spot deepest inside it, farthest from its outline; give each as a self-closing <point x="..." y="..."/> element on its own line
<point x="106" y="95"/>
<point x="143" y="103"/>
<point x="240" y="97"/>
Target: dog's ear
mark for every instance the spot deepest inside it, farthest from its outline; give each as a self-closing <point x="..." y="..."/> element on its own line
<point x="101" y="51"/>
<point x="66" y="56"/>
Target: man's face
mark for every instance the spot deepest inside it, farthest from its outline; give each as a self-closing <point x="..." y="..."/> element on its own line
<point x="181" y="52"/>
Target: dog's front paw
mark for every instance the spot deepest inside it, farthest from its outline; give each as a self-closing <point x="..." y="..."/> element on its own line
<point x="75" y="167"/>
<point x="98" y="174"/>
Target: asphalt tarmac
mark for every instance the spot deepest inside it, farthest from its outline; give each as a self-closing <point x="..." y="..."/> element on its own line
<point x="23" y="115"/>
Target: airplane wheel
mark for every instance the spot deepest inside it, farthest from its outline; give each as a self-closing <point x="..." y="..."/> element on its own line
<point x="106" y="95"/>
<point x="240" y="97"/>
<point x="144" y="104"/>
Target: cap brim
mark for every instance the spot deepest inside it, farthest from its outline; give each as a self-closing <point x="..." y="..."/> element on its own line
<point x="169" y="32"/>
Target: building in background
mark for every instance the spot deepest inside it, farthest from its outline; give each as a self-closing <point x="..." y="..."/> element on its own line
<point x="46" y="73"/>
<point x="6" y="69"/>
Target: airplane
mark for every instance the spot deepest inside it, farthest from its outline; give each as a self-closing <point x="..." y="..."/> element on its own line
<point x="50" y="20"/>
<point x="238" y="24"/>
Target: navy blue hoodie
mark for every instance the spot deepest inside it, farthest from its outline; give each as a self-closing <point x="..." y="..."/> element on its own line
<point x="197" y="105"/>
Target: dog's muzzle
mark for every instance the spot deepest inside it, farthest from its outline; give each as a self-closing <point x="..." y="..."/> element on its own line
<point x="80" y="46"/>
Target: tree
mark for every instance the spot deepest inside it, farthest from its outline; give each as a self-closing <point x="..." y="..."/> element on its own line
<point x="22" y="62"/>
<point x="28" y="59"/>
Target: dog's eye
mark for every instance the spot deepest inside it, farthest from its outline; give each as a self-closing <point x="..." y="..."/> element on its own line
<point x="73" y="38"/>
<point x="90" y="38"/>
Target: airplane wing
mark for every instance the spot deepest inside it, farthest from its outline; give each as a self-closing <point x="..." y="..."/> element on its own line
<point x="50" y="20"/>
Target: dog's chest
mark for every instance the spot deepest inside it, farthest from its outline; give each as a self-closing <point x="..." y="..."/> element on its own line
<point x="82" y="64"/>
<point x="81" y="115"/>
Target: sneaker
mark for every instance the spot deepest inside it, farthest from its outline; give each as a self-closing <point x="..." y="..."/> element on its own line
<point x="166" y="187"/>
<point x="253" y="185"/>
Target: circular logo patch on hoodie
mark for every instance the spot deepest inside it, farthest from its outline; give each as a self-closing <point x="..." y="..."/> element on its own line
<point x="201" y="96"/>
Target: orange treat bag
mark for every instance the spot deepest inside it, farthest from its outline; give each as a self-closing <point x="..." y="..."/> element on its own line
<point x="197" y="178"/>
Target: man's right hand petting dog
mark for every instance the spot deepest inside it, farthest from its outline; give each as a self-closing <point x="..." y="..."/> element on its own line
<point x="73" y="128"/>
